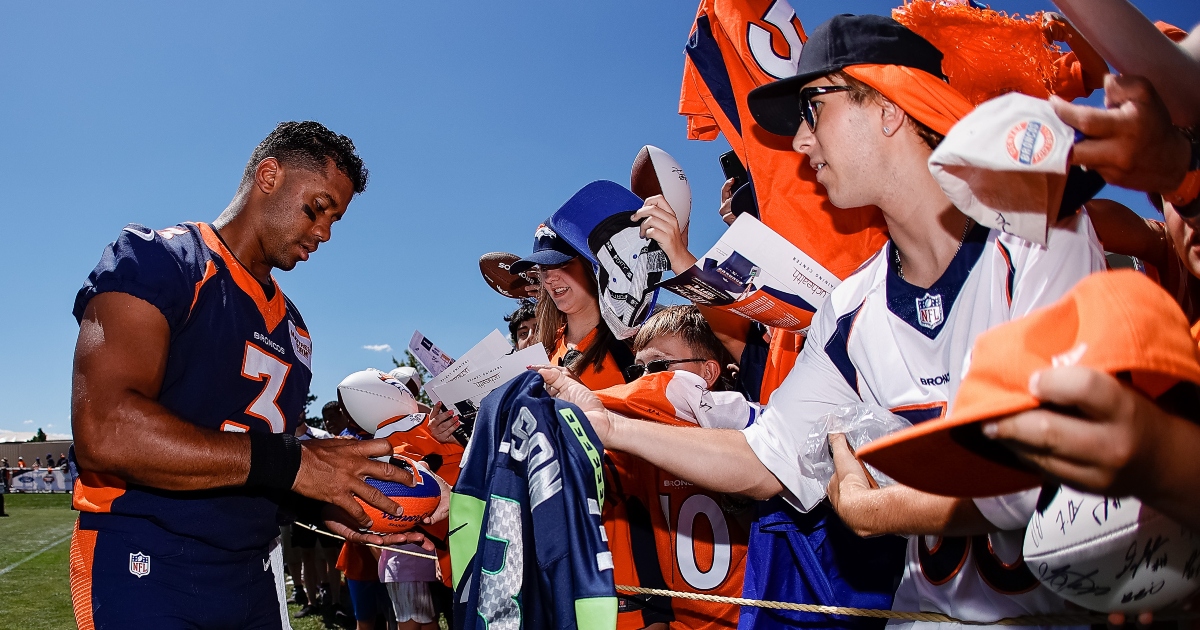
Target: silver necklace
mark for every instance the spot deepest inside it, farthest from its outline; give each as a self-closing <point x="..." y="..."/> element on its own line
<point x="962" y="239"/>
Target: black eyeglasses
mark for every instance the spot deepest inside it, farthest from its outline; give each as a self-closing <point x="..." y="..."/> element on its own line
<point x="808" y="109"/>
<point x="637" y="370"/>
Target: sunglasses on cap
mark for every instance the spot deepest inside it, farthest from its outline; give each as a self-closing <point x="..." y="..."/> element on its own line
<point x="637" y="370"/>
<point x="808" y="109"/>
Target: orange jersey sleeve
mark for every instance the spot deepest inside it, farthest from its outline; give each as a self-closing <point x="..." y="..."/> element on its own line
<point x="734" y="47"/>
<point x="418" y="442"/>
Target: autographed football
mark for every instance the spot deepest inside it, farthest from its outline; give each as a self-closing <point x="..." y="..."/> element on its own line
<point x="655" y="172"/>
<point x="373" y="398"/>
<point x="1111" y="555"/>
<point x="495" y="269"/>
<point x="417" y="502"/>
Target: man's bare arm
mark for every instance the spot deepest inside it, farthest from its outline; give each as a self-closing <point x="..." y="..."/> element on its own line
<point x="1122" y="231"/>
<point x="118" y="424"/>
<point x="120" y="428"/>
<point x="873" y="511"/>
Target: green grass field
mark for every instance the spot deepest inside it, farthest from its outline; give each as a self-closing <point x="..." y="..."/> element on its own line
<point x="35" y="591"/>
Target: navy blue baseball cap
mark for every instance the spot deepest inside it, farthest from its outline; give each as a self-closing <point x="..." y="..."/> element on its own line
<point x="578" y="219"/>
<point x="844" y="40"/>
<point x="548" y="249"/>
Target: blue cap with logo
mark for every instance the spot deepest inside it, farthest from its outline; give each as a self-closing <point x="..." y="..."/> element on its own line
<point x="548" y="249"/>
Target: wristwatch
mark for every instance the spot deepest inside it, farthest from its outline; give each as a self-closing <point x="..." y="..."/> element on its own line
<point x="1183" y="198"/>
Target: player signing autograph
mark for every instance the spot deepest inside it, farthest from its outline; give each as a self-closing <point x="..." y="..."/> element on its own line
<point x="190" y="375"/>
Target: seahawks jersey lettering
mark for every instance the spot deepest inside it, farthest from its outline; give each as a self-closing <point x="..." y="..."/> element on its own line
<point x="526" y="542"/>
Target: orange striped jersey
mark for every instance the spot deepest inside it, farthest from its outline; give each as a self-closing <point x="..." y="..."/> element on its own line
<point x="734" y="47"/>
<point x="699" y="536"/>
<point x="239" y="361"/>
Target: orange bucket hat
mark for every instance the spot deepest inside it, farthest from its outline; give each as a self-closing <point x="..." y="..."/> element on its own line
<point x="1119" y="322"/>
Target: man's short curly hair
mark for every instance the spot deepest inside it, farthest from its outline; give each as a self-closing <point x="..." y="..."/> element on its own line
<point x="309" y="145"/>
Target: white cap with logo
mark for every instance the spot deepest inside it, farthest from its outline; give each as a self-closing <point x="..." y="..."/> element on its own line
<point x="1005" y="165"/>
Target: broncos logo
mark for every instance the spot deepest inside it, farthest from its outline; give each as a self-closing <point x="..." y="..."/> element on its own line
<point x="544" y="231"/>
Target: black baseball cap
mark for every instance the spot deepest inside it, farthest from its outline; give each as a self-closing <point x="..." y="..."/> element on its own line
<point x="844" y="40"/>
<point x="548" y="249"/>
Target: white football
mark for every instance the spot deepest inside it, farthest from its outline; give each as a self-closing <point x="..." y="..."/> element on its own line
<point x="655" y="172"/>
<point x="373" y="398"/>
<point x="1111" y="555"/>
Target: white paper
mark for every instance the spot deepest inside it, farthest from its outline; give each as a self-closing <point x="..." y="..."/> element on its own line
<point x="428" y="355"/>
<point x="758" y="274"/>
<point x="484" y="378"/>
<point x="494" y="346"/>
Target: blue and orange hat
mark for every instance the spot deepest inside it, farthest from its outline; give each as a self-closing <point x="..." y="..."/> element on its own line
<point x="548" y="249"/>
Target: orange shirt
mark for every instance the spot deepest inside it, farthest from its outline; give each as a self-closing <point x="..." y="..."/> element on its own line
<point x="609" y="373"/>
<point x="700" y="536"/>
<point x="736" y="46"/>
<point x="781" y="357"/>
<point x="358" y="563"/>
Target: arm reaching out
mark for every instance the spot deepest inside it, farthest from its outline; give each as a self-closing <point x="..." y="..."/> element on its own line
<point x="716" y="459"/>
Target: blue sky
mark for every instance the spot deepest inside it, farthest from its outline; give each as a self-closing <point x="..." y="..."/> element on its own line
<point x="476" y="120"/>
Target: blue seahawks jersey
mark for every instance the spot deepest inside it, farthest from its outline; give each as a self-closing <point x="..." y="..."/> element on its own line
<point x="527" y="547"/>
<point x="238" y="362"/>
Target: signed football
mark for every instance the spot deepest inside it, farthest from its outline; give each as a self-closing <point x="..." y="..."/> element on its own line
<point x="373" y="398"/>
<point x="1111" y="554"/>
<point x="418" y="502"/>
<point x="655" y="172"/>
<point x="495" y="269"/>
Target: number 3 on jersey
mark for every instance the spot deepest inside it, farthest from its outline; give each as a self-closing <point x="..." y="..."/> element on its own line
<point x="693" y="508"/>
<point x="257" y="365"/>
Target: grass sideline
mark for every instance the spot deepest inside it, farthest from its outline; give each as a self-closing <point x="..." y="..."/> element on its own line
<point x="37" y="593"/>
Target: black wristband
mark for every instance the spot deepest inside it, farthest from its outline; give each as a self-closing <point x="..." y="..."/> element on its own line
<point x="274" y="460"/>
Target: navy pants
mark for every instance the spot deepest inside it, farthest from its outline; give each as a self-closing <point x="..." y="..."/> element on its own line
<point x="128" y="573"/>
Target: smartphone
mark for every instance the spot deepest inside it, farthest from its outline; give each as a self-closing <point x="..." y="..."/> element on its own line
<point x="733" y="169"/>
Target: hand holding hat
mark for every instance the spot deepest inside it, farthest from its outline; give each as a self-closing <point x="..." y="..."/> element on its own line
<point x="1132" y="144"/>
<point x="1110" y="448"/>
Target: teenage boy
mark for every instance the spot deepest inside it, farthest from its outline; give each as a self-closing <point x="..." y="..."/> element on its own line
<point x="867" y="106"/>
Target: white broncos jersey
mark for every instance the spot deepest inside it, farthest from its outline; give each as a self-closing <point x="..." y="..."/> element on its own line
<point x="883" y="341"/>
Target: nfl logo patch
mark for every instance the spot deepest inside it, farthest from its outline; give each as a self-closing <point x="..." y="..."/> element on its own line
<point x="139" y="564"/>
<point x="929" y="311"/>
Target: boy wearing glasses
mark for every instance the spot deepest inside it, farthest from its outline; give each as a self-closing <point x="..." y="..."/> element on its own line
<point x="665" y="532"/>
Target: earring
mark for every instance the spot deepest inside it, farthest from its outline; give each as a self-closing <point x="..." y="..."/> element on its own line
<point x="887" y="130"/>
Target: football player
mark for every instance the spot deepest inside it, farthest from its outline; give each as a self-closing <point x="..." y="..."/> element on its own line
<point x="190" y="374"/>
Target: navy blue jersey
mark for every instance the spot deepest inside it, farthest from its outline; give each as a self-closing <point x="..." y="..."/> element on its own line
<point x="238" y="361"/>
<point x="526" y="544"/>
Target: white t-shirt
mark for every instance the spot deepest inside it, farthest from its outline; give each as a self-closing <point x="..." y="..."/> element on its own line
<point x="882" y="341"/>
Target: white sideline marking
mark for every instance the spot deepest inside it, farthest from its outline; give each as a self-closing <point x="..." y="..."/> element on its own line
<point x="35" y="554"/>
